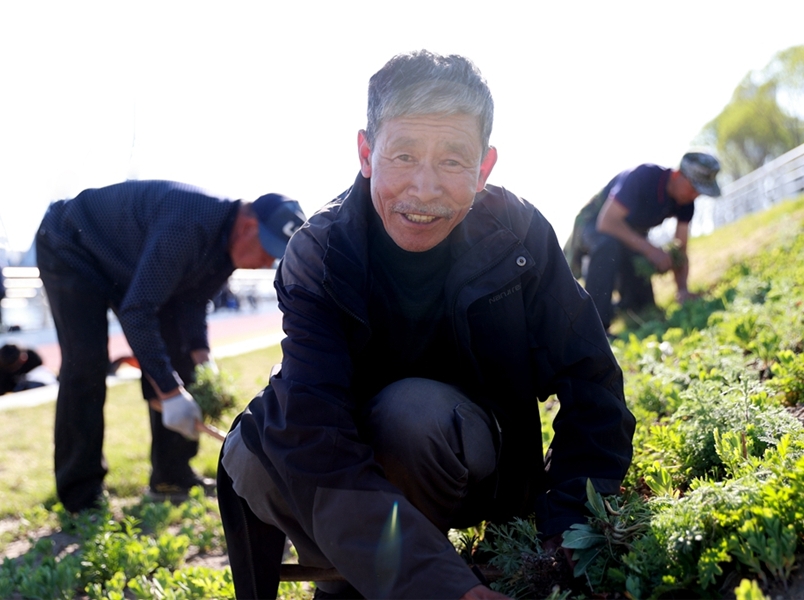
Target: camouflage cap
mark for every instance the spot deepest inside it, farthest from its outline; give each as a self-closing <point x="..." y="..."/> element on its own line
<point x="701" y="169"/>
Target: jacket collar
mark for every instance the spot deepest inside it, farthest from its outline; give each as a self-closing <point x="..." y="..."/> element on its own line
<point x="477" y="244"/>
<point x="346" y="255"/>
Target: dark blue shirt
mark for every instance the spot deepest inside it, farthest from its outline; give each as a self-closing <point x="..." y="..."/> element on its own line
<point x="144" y="245"/>
<point x="643" y="192"/>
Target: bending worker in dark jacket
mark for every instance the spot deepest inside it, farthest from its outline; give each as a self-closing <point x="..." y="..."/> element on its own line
<point x="155" y="252"/>
<point x="612" y="229"/>
<point x="426" y="315"/>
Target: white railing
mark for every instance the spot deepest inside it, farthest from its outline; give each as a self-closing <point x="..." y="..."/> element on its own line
<point x="780" y="179"/>
<point x="25" y="304"/>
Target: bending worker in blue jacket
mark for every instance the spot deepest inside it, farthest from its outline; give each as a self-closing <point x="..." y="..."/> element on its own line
<point x="155" y="252"/>
<point x="426" y="314"/>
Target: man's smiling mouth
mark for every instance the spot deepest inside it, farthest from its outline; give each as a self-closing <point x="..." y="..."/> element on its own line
<point x="420" y="218"/>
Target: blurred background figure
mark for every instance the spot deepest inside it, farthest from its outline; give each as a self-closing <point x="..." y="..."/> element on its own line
<point x="155" y="253"/>
<point x="22" y="369"/>
<point x="612" y="230"/>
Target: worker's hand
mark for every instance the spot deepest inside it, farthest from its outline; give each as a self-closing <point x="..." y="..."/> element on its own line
<point x="683" y="296"/>
<point x="203" y="357"/>
<point x="481" y="592"/>
<point x="211" y="365"/>
<point x="554" y="545"/>
<point x="182" y="414"/>
<point x="659" y="259"/>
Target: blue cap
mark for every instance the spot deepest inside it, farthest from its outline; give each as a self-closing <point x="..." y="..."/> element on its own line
<point x="279" y="217"/>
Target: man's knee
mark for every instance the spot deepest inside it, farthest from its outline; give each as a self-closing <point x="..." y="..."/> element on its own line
<point x="410" y="407"/>
<point x="415" y="421"/>
<point x="250" y="480"/>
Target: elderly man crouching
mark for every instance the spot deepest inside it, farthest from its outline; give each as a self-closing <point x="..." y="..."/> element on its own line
<point x="426" y="314"/>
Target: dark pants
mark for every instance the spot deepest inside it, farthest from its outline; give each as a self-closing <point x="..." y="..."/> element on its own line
<point x="611" y="266"/>
<point x="171" y="451"/>
<point x="255" y="548"/>
<point x="422" y="433"/>
<point x="80" y="314"/>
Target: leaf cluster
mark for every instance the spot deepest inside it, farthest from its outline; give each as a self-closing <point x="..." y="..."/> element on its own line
<point x="213" y="391"/>
<point x="714" y="494"/>
<point x="140" y="555"/>
<point x="645" y="269"/>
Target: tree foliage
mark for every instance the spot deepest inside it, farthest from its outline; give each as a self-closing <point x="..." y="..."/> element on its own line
<point x="764" y="118"/>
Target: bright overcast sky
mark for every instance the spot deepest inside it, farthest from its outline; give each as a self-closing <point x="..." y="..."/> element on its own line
<point x="245" y="98"/>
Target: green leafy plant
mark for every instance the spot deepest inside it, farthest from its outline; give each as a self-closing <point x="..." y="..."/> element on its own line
<point x="749" y="590"/>
<point x="609" y="533"/>
<point x="788" y="377"/>
<point x="528" y="570"/>
<point x="213" y="392"/>
<point x="644" y="268"/>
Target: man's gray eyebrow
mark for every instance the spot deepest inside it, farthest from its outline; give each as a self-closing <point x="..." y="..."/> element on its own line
<point x="458" y="147"/>
<point x="402" y="141"/>
<point x="451" y="146"/>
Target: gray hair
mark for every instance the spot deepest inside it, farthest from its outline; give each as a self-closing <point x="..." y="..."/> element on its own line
<point x="425" y="83"/>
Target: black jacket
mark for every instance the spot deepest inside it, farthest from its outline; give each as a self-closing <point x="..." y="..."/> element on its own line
<point x="144" y="245"/>
<point x="527" y="330"/>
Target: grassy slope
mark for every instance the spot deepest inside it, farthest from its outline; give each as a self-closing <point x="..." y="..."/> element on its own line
<point x="26" y="451"/>
<point x="711" y="255"/>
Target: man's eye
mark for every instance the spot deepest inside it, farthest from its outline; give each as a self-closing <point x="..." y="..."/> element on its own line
<point x="404" y="158"/>
<point x="452" y="165"/>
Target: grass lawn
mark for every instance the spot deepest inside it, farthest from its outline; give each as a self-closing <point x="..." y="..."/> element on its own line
<point x="26" y="451"/>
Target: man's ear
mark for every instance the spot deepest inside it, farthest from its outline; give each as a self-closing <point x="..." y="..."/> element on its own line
<point x="486" y="165"/>
<point x="364" y="153"/>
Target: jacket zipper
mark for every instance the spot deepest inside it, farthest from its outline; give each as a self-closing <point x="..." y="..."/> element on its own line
<point x="486" y="269"/>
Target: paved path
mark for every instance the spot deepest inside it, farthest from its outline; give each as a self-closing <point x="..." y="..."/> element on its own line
<point x="230" y="333"/>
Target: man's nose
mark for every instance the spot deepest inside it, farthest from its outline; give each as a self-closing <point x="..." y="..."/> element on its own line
<point x="426" y="182"/>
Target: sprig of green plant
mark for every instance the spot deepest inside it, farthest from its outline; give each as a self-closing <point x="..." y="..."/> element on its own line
<point x="608" y="534"/>
<point x="788" y="376"/>
<point x="213" y="392"/>
<point x="510" y="543"/>
<point x="645" y="269"/>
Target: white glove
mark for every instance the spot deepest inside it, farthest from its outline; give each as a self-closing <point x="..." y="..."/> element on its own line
<point x="212" y="365"/>
<point x="180" y="413"/>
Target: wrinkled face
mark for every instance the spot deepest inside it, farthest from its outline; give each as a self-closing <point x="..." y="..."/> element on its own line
<point x="425" y="171"/>
<point x="246" y="251"/>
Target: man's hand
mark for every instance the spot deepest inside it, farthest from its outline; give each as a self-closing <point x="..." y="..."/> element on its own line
<point x="683" y="296"/>
<point x="202" y="356"/>
<point x="554" y="545"/>
<point x="659" y="259"/>
<point x="481" y="592"/>
<point x="181" y="413"/>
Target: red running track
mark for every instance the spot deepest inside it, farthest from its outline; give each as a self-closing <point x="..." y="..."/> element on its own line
<point x="228" y="329"/>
